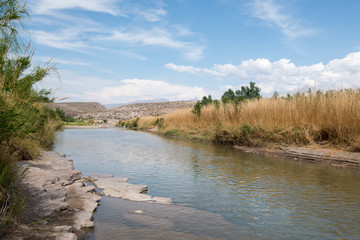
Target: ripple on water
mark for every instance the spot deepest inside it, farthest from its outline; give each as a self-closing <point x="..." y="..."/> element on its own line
<point x="270" y="197"/>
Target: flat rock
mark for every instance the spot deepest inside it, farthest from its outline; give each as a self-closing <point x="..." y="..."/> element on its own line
<point x="58" y="200"/>
<point x="66" y="236"/>
<point x="119" y="187"/>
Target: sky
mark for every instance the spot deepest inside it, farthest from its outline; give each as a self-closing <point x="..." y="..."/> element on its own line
<point x="118" y="51"/>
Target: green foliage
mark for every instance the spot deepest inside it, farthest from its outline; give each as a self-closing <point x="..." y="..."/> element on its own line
<point x="246" y="92"/>
<point x="65" y="118"/>
<point x="171" y="133"/>
<point x="105" y="120"/>
<point x="159" y="122"/>
<point x="120" y="123"/>
<point x="197" y="109"/>
<point x="206" y="100"/>
<point x="199" y="104"/>
<point x="25" y="124"/>
<point x="228" y="96"/>
<point x="134" y="124"/>
<point x="249" y="92"/>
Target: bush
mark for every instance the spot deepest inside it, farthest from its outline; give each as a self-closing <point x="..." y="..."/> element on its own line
<point x="25" y="124"/>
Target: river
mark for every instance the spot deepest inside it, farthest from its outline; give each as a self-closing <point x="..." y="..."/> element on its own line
<point x="220" y="192"/>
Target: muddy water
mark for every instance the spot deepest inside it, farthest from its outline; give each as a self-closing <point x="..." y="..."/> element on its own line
<point x="223" y="193"/>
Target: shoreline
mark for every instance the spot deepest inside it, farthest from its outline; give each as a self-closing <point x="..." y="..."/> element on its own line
<point x="325" y="156"/>
<point x="312" y="153"/>
<point x="59" y="202"/>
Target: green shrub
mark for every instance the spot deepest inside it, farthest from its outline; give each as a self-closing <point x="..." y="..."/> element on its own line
<point x="159" y="122"/>
<point x="25" y="124"/>
<point x="134" y="124"/>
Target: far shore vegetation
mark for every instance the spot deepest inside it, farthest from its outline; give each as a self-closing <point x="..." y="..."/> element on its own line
<point x="26" y="124"/>
<point x="242" y="117"/>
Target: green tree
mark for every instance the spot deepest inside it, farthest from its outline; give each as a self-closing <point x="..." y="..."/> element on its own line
<point x="206" y="100"/>
<point x="228" y="96"/>
<point x="245" y="92"/>
<point x="249" y="92"/>
<point x="197" y="108"/>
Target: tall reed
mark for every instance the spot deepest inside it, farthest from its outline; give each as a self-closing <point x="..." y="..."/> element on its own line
<point x="331" y="117"/>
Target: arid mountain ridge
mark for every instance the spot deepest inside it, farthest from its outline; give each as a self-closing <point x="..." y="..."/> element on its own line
<point x="99" y="112"/>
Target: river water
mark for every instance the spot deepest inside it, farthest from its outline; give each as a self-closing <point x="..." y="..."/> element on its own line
<point x="220" y="192"/>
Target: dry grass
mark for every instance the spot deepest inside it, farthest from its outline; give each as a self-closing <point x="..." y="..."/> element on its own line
<point x="321" y="118"/>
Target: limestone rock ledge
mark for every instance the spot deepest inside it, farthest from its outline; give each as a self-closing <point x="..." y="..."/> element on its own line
<point x="119" y="187"/>
<point x="58" y="202"/>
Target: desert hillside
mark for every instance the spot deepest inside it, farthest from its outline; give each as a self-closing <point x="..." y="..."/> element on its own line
<point x="99" y="112"/>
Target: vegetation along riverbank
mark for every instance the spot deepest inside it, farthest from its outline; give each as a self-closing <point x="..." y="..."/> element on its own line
<point x="316" y="119"/>
<point x="26" y="125"/>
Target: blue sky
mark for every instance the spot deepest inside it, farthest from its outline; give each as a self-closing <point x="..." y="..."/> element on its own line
<point x="113" y="51"/>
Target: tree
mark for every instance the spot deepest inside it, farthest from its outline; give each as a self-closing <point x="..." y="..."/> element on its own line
<point x="206" y="100"/>
<point x="228" y="96"/>
<point x="199" y="104"/>
<point x="249" y="92"/>
<point x="243" y="94"/>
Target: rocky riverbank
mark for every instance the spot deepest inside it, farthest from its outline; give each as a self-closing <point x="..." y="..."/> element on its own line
<point x="58" y="204"/>
<point x="59" y="201"/>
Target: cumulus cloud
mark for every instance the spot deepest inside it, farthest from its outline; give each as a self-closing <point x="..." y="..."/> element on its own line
<point x="144" y="89"/>
<point x="285" y="76"/>
<point x="88" y="88"/>
<point x="273" y="14"/>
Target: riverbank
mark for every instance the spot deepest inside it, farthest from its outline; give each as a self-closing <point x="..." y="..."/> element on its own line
<point x="327" y="121"/>
<point x="312" y="153"/>
<point x="59" y="202"/>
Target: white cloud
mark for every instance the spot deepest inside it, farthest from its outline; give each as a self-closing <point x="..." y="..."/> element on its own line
<point x="55" y="60"/>
<point x="151" y="11"/>
<point x="68" y="39"/>
<point x="273" y="14"/>
<point x="144" y="89"/>
<point x="46" y="7"/>
<point x="285" y="76"/>
<point x="82" y="88"/>
<point x="156" y="37"/>
<point x="75" y="33"/>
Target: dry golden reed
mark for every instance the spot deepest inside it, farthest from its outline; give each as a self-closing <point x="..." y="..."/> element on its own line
<point x="331" y="117"/>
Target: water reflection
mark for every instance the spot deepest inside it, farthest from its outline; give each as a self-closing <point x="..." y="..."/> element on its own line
<point x="273" y="197"/>
<point x="122" y="219"/>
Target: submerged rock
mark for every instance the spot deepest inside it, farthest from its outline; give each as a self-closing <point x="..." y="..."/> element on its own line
<point x="119" y="187"/>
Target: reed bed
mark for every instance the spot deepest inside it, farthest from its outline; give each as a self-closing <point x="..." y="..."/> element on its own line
<point x="325" y="118"/>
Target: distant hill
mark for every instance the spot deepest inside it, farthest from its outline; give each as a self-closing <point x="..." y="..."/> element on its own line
<point x="114" y="105"/>
<point x="99" y="112"/>
<point x="78" y="108"/>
